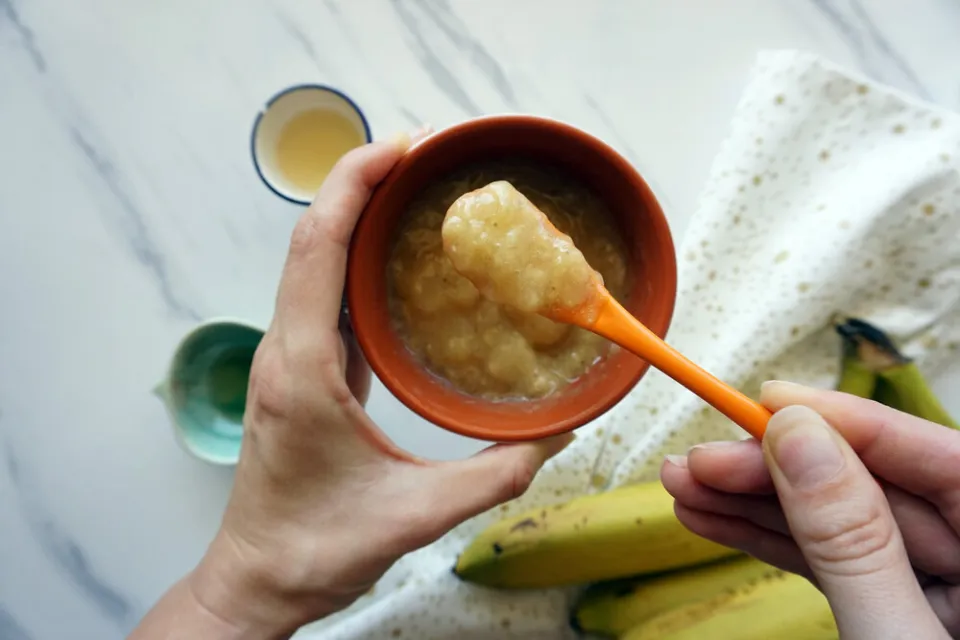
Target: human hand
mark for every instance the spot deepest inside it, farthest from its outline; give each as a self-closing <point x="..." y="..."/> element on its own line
<point x="323" y="503"/>
<point x="864" y="501"/>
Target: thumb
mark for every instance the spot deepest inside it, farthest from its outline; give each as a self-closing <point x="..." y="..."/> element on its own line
<point x="500" y="473"/>
<point x="843" y="525"/>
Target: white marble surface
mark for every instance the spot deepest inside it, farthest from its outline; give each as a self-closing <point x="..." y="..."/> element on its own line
<point x="129" y="210"/>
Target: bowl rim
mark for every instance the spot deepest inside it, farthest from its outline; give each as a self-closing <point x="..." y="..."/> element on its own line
<point x="379" y="363"/>
<point x="367" y="134"/>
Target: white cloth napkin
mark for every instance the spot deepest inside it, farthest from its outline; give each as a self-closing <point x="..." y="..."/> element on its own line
<point x="832" y="195"/>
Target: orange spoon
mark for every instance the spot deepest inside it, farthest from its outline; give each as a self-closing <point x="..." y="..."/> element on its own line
<point x="605" y="316"/>
<point x="596" y="310"/>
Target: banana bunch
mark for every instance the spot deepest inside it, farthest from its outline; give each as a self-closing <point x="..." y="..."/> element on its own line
<point x="649" y="576"/>
<point x="873" y="367"/>
<point x="627" y="531"/>
<point x="781" y="605"/>
<point x="740" y="598"/>
<point x="613" y="608"/>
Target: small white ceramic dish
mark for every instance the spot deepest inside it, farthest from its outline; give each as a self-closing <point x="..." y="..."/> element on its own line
<point x="277" y="112"/>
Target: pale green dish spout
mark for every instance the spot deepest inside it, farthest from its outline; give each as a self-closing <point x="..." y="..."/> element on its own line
<point x="205" y="390"/>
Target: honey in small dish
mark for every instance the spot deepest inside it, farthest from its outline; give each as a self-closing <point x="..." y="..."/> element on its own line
<point x="301" y="134"/>
<point x="310" y="143"/>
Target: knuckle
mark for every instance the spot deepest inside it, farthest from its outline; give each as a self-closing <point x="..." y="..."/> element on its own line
<point x="852" y="540"/>
<point x="270" y="388"/>
<point x="352" y="161"/>
<point x="306" y="233"/>
<point x="277" y="378"/>
<point x="520" y="477"/>
<point x="337" y="388"/>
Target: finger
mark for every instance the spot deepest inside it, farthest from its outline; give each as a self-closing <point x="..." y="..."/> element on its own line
<point x="931" y="543"/>
<point x="909" y="452"/>
<point x="460" y="490"/>
<point x="311" y="286"/>
<point x="763" y="511"/>
<point x="733" y="467"/>
<point x="945" y="600"/>
<point x="763" y="544"/>
<point x="843" y="525"/>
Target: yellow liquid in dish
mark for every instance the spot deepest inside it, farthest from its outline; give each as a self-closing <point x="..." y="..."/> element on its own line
<point x="311" y="143"/>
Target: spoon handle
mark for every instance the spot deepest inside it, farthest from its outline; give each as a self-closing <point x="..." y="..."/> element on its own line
<point x="617" y="325"/>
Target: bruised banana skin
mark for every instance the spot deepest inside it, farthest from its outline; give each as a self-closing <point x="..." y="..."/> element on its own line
<point x="628" y="531"/>
<point x="613" y="608"/>
<point x="783" y="606"/>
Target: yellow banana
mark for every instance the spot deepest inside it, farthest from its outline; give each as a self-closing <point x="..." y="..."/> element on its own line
<point x="884" y="394"/>
<point x="612" y="608"/>
<point x="784" y="606"/>
<point x="855" y="377"/>
<point x="899" y="382"/>
<point x="910" y="393"/>
<point x="623" y="532"/>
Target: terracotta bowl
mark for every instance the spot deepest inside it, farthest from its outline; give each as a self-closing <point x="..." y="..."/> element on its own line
<point x="547" y="142"/>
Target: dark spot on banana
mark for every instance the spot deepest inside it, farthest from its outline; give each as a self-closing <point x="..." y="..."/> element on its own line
<point x="497" y="549"/>
<point x="528" y="523"/>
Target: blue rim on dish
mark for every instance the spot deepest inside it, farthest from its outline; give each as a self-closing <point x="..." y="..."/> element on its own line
<point x="368" y="136"/>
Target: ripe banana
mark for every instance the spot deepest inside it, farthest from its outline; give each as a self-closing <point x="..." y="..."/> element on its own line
<point x="899" y="382"/>
<point x="623" y="532"/>
<point x="612" y="608"/>
<point x="911" y="394"/>
<point x="855" y="376"/>
<point x="783" y="605"/>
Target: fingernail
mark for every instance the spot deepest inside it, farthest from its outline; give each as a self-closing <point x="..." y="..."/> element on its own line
<point x="402" y="140"/>
<point x="781" y="393"/>
<point x="407" y="139"/>
<point x="677" y="461"/>
<point x="719" y="444"/>
<point x="421" y="133"/>
<point x="803" y="447"/>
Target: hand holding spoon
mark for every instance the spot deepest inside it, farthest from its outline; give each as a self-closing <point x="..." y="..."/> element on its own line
<point x="545" y="273"/>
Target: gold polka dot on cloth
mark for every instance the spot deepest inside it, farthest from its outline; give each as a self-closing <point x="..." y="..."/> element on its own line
<point x="831" y="195"/>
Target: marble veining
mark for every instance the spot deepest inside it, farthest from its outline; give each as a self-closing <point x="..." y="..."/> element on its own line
<point x="129" y="210"/>
<point x="27" y="39"/>
<point x="442" y="76"/>
<point x="438" y="12"/>
<point x="71" y="559"/>
<point x="874" y="52"/>
<point x="132" y="225"/>
<point x="10" y="629"/>
<point x="65" y="553"/>
<point x="622" y="142"/>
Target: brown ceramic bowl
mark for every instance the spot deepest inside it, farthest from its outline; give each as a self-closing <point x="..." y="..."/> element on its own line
<point x="546" y="142"/>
